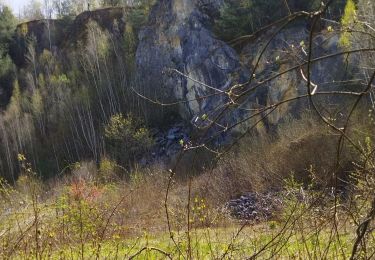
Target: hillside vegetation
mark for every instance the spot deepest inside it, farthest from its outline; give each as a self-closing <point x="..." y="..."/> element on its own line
<point x="175" y="129"/>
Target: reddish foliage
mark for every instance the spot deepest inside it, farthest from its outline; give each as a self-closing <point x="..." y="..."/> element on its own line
<point x="81" y="190"/>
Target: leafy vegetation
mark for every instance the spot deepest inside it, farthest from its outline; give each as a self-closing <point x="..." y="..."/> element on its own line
<point x="126" y="138"/>
<point x="7" y="26"/>
<point x="82" y="216"/>
<point x="65" y="102"/>
<point x="347" y="21"/>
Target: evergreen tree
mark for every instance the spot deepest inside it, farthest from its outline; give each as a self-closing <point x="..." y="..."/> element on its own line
<point x="242" y="17"/>
<point x="246" y="16"/>
<point x="7" y="25"/>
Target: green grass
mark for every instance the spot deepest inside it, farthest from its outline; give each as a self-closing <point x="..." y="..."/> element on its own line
<point x="75" y="227"/>
<point x="212" y="243"/>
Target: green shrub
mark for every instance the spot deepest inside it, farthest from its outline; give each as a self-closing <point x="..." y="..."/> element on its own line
<point x="107" y="170"/>
<point x="126" y="138"/>
<point x="347" y="21"/>
<point x="246" y="16"/>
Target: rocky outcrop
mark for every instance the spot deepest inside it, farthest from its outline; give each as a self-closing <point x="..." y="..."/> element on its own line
<point x="46" y="34"/>
<point x="179" y="37"/>
<point x="288" y="49"/>
<point x="179" y="59"/>
<point x="59" y="34"/>
<point x="111" y="19"/>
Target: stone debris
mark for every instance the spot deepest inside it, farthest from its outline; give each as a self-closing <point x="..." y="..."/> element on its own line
<point x="253" y="206"/>
<point x="168" y="142"/>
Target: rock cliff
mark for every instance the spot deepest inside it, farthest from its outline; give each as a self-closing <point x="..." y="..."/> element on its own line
<point x="180" y="59"/>
<point x="180" y="37"/>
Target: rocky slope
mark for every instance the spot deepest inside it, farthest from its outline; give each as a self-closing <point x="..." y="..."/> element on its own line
<point x="179" y="37"/>
<point x="181" y="60"/>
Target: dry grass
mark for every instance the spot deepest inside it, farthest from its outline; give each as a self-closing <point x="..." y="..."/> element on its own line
<point x="302" y="148"/>
<point x="93" y="210"/>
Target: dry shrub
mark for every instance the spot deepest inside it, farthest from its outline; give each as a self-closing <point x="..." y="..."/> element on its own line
<point x="135" y="202"/>
<point x="145" y="204"/>
<point x="221" y="183"/>
<point x="192" y="163"/>
<point x="299" y="146"/>
<point x="304" y="148"/>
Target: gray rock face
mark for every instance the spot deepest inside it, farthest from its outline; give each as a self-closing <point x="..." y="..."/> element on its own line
<point x="179" y="37"/>
<point x="289" y="49"/>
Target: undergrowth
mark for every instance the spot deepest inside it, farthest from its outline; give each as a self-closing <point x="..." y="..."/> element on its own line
<point x="93" y="212"/>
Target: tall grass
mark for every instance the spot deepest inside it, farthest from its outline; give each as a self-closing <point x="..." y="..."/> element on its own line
<point x="82" y="215"/>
